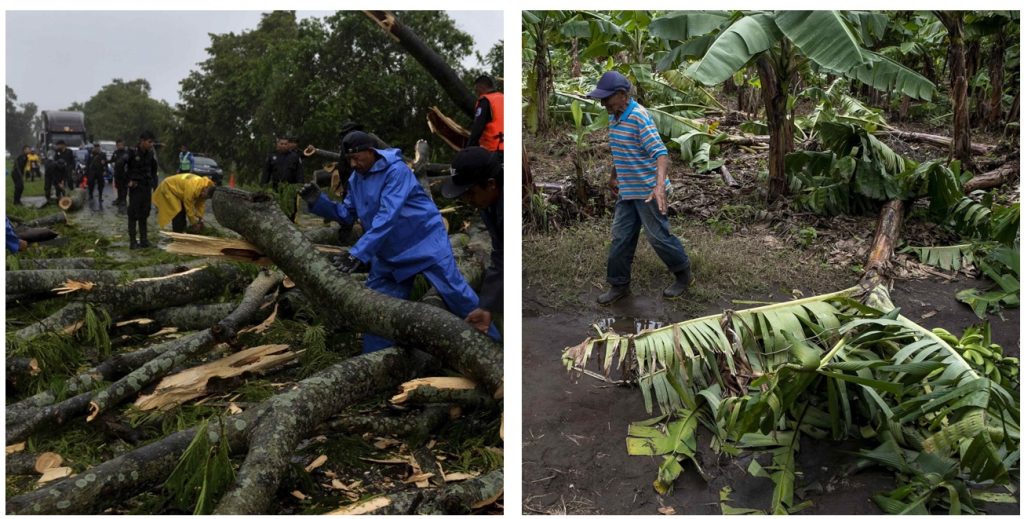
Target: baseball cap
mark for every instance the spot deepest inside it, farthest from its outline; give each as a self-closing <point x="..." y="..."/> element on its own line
<point x="610" y="83"/>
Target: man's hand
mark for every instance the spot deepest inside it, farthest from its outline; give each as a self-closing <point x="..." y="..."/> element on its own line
<point x="197" y="227"/>
<point x="658" y="195"/>
<point x="22" y="245"/>
<point x="479" y="319"/>
<point x="613" y="184"/>
<point x="310" y="193"/>
<point x="132" y="183"/>
<point x="349" y="264"/>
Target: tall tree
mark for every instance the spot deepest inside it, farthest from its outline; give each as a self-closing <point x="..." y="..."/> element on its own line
<point x="124" y="109"/>
<point x="19" y="123"/>
<point x="781" y="44"/>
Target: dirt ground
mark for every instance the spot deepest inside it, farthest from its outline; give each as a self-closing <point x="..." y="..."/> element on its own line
<point x="574" y="450"/>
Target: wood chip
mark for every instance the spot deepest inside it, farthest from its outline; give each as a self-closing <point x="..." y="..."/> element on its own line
<point x="438" y="382"/>
<point x="69" y="286"/>
<point x="404" y="460"/>
<point x="233" y="408"/>
<point x="458" y="476"/>
<point x="383" y="443"/>
<point x="416" y="478"/>
<point x="363" y="508"/>
<point x="141" y="320"/>
<point x="335" y="483"/>
<point x="288" y="283"/>
<point x="667" y="510"/>
<point x="15" y="447"/>
<point x="54" y="473"/>
<point x="47" y="461"/>
<point x="164" y="331"/>
<point x="298" y="495"/>
<point x="320" y="460"/>
<point x="929" y="314"/>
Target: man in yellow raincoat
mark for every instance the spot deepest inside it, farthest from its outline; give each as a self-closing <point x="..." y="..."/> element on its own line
<point x="182" y="196"/>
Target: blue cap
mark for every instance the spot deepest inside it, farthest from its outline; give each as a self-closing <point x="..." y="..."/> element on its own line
<point x="610" y="83"/>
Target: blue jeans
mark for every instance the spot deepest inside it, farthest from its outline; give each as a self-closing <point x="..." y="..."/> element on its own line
<point x="444" y="275"/>
<point x="630" y="216"/>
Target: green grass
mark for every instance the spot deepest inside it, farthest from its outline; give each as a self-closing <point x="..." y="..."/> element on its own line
<point x="560" y="269"/>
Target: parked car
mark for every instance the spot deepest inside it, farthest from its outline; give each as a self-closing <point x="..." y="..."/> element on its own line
<point x="207" y="167"/>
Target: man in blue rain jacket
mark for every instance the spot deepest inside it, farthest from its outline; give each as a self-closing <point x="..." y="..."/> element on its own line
<point x="403" y="234"/>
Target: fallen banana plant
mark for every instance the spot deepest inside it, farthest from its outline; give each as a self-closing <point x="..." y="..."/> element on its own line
<point x="829" y="367"/>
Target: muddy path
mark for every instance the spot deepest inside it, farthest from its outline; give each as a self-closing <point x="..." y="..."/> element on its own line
<point x="574" y="451"/>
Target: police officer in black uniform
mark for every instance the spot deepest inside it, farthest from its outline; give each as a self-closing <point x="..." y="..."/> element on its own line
<point x="282" y="166"/>
<point x="58" y="170"/>
<point x="96" y="170"/>
<point x="141" y="173"/>
<point x="120" y="160"/>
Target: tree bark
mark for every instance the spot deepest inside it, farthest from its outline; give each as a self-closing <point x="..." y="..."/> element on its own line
<point x="59" y="217"/>
<point x="417" y="424"/>
<point x="68" y="317"/>
<point x="431" y="60"/>
<point x="993" y="178"/>
<point x="994" y="115"/>
<point x="890" y="221"/>
<point x="440" y="333"/>
<point x="36" y="234"/>
<point x="780" y="133"/>
<point x="189" y="347"/>
<point x="192" y="317"/>
<point x="961" y="146"/>
<point x="39" y="282"/>
<point x="458" y="498"/>
<point x="20" y="369"/>
<point x="55" y="263"/>
<point x="935" y="140"/>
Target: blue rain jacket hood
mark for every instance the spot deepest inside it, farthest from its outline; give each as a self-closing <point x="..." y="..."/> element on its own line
<point x="402" y="228"/>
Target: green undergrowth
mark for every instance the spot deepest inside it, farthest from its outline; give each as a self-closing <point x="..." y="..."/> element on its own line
<point x="563" y="268"/>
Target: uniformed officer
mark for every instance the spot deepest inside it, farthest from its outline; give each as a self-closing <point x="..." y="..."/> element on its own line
<point x="58" y="170"/>
<point x="95" y="172"/>
<point x="119" y="160"/>
<point x="488" y="130"/>
<point x="141" y="173"/>
<point x="283" y="171"/>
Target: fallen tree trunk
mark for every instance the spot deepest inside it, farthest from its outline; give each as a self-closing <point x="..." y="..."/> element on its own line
<point x="457" y="498"/>
<point x="994" y="178"/>
<point x="45" y="221"/>
<point x="20" y="369"/>
<point x="434" y="64"/>
<point x="36" y="234"/>
<point x="55" y="263"/>
<point x="66" y="320"/>
<point x="935" y="140"/>
<point x="192" y="317"/>
<point x="417" y="424"/>
<point x="312" y="400"/>
<point x="258" y="219"/>
<point x="191" y="346"/>
<point x="74" y="200"/>
<point x="39" y="282"/>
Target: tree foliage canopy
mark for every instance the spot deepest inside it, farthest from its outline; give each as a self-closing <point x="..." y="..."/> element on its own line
<point x="307" y="77"/>
<point x="19" y="123"/>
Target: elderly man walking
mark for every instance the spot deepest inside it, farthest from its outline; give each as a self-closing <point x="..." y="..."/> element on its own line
<point x="639" y="179"/>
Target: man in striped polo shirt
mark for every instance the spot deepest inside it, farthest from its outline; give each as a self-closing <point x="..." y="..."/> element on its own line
<point x="639" y="179"/>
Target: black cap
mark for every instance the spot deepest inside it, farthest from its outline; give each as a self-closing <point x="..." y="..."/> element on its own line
<point x="471" y="166"/>
<point x="61" y="141"/>
<point x="147" y="135"/>
<point x="357" y="141"/>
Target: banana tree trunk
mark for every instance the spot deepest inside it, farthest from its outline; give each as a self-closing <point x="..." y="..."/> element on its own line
<point x="780" y="132"/>
<point x="261" y="223"/>
<point x="431" y="60"/>
<point x="961" y="146"/>
<point x="994" y="115"/>
<point x="542" y="75"/>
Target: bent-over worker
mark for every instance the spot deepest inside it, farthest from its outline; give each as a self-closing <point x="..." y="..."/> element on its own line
<point x="182" y="197"/>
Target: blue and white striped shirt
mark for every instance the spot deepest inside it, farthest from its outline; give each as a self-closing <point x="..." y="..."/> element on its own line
<point x="636" y="146"/>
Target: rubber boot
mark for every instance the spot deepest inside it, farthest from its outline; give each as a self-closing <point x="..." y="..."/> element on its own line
<point x="681" y="286"/>
<point x="613" y="294"/>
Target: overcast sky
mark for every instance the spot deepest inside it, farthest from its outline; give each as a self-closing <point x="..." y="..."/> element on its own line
<point x="55" y="58"/>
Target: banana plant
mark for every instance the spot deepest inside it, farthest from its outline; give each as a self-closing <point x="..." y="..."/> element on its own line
<point x="780" y="44"/>
<point x="829" y="367"/>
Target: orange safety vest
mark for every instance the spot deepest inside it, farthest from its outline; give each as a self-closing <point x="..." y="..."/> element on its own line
<point x="493" y="137"/>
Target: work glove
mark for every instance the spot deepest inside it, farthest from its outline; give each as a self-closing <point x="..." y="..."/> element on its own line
<point x="310" y="193"/>
<point x="349" y="264"/>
